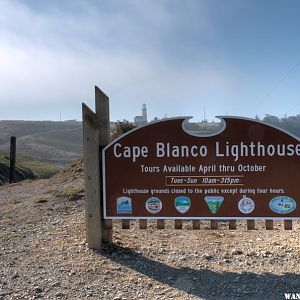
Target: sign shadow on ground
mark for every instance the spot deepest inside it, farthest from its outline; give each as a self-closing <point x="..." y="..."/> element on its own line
<point x="206" y="283"/>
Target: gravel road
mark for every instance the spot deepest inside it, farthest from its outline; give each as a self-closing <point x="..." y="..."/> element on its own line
<point x="43" y="253"/>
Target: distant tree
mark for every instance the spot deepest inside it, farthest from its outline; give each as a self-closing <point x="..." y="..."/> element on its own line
<point x="272" y="120"/>
<point x="121" y="127"/>
<point x="290" y="124"/>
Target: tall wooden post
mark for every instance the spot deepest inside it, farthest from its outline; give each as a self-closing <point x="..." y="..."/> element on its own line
<point x="102" y="115"/>
<point x="95" y="137"/>
<point x="12" y="158"/>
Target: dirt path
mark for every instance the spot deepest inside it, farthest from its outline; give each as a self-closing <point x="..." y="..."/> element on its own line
<point x="43" y="254"/>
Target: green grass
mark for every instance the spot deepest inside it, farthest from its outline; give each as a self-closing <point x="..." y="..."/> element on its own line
<point x="70" y="193"/>
<point x="42" y="200"/>
<point x="39" y="168"/>
<point x="32" y="222"/>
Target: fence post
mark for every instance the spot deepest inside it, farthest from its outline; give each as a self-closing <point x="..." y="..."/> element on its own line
<point x="12" y="160"/>
<point x="102" y="115"/>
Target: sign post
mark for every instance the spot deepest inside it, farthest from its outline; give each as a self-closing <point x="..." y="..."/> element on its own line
<point x="95" y="137"/>
<point x="102" y="116"/>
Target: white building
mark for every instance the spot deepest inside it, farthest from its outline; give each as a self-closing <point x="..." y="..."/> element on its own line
<point x="141" y="120"/>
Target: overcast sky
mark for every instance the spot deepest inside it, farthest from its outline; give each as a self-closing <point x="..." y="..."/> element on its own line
<point x="234" y="57"/>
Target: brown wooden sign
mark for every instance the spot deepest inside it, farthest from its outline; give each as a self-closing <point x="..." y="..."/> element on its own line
<point x="249" y="170"/>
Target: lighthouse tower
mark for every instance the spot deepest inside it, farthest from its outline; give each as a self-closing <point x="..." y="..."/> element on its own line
<point x="141" y="120"/>
<point x="144" y="113"/>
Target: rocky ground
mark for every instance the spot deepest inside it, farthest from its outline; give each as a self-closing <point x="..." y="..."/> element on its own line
<point x="43" y="253"/>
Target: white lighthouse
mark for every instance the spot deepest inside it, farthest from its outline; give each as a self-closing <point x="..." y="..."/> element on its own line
<point x="141" y="120"/>
<point x="144" y="113"/>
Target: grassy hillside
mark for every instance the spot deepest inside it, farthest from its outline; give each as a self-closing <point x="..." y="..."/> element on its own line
<point x="27" y="166"/>
<point x="57" y="143"/>
<point x="22" y="128"/>
<point x="20" y="174"/>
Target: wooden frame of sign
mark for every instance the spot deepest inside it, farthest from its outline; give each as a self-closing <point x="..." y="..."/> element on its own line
<point x="259" y="181"/>
<point x="96" y="135"/>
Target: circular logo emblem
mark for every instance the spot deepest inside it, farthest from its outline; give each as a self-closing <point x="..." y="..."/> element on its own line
<point x="182" y="204"/>
<point x="282" y="205"/>
<point x="246" y="205"/>
<point x="153" y="205"/>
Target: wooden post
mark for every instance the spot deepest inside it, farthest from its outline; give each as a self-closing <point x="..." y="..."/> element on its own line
<point x="143" y="224"/>
<point x="196" y="224"/>
<point x="232" y="224"/>
<point x="178" y="224"/>
<point x="12" y="158"/>
<point x="95" y="137"/>
<point x="269" y="224"/>
<point x="250" y="224"/>
<point x="288" y="224"/>
<point x="160" y="224"/>
<point x="102" y="115"/>
<point x="214" y="225"/>
<point x="92" y="179"/>
<point x="125" y="224"/>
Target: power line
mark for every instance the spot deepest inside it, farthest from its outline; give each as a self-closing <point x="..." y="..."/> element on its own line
<point x="275" y="86"/>
<point x="293" y="107"/>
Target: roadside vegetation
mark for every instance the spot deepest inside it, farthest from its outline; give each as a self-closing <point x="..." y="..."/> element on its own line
<point x="290" y="124"/>
<point x="27" y="167"/>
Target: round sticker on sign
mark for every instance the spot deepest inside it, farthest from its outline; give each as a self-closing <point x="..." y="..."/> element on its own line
<point x="282" y="205"/>
<point x="153" y="205"/>
<point x="182" y="204"/>
<point x="246" y="205"/>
